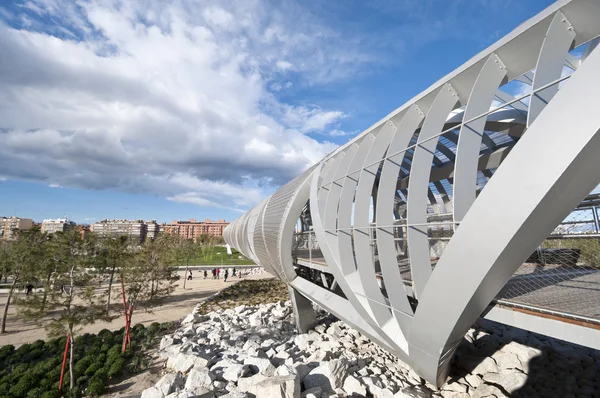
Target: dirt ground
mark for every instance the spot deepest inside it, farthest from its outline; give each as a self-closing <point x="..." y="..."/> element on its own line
<point x="179" y="305"/>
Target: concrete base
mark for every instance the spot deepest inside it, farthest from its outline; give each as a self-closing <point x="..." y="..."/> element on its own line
<point x="304" y="314"/>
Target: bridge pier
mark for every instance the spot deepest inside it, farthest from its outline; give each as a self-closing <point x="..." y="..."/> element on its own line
<point x="304" y="314"/>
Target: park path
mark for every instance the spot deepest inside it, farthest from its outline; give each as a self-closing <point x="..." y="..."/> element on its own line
<point x="179" y="305"/>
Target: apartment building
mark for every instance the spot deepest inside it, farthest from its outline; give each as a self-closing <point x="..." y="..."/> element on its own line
<point x="153" y="229"/>
<point x="135" y="229"/>
<point x="52" y="226"/>
<point x="10" y="224"/>
<point x="191" y="229"/>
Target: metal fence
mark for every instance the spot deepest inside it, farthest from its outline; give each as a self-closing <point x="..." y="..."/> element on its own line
<point x="563" y="275"/>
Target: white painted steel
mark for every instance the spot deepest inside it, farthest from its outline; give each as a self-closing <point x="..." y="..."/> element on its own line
<point x="531" y="165"/>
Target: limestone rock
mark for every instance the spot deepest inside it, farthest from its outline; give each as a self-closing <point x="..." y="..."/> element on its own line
<point x="170" y="382"/>
<point x="199" y="380"/>
<point x="152" y="392"/>
<point x="278" y="387"/>
<point x="260" y="365"/>
<point x="328" y="375"/>
<point x="510" y="381"/>
<point x="353" y="387"/>
<point x="184" y="362"/>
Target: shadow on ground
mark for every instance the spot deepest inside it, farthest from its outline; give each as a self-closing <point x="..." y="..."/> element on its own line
<point x="558" y="369"/>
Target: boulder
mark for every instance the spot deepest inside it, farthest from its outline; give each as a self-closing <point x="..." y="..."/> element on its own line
<point x="184" y="362"/>
<point x="353" y="387"/>
<point x="199" y="380"/>
<point x="278" y="387"/>
<point x="152" y="392"/>
<point x="234" y="372"/>
<point x="260" y="365"/>
<point x="170" y="382"/>
<point x="413" y="392"/>
<point x="328" y="375"/>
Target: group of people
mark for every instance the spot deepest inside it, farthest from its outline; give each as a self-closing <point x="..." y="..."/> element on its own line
<point x="216" y="273"/>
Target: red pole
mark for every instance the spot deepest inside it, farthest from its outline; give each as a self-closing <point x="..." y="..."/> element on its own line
<point x="129" y="325"/>
<point x="62" y="371"/>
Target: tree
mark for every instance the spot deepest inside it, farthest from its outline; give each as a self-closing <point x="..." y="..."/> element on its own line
<point x="115" y="251"/>
<point x="19" y="260"/>
<point x="187" y="251"/>
<point x="77" y="303"/>
<point x="151" y="275"/>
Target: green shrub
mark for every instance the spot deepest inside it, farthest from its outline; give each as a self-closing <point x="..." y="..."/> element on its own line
<point x="83" y="364"/>
<point x="47" y="383"/>
<point x="24" y="385"/>
<point x="117" y="368"/>
<point x="95" y="387"/>
<point x="51" y="394"/>
<point x="35" y="393"/>
<point x="93" y="368"/>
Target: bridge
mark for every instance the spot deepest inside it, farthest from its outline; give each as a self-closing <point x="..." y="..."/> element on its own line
<point x="476" y="198"/>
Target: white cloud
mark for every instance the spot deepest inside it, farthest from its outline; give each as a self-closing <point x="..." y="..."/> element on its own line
<point x="164" y="98"/>
<point x="284" y="65"/>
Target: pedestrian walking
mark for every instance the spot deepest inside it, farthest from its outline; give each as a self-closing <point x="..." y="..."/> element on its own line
<point x="189" y="275"/>
<point x="233" y="273"/>
<point x="29" y="289"/>
<point x="214" y="272"/>
<point x="205" y="274"/>
<point x="218" y="272"/>
<point x="226" y="275"/>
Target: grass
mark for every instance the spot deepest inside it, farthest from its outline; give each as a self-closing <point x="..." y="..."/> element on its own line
<point x="216" y="255"/>
<point x="247" y="292"/>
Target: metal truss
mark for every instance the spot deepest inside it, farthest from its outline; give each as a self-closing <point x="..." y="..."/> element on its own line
<point x="415" y="245"/>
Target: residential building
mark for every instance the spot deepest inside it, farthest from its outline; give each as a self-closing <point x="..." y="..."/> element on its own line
<point x="153" y="229"/>
<point x="51" y="226"/>
<point x="191" y="229"/>
<point x="135" y="229"/>
<point x="10" y="224"/>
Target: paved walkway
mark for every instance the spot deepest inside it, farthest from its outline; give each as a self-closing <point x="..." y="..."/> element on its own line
<point x="179" y="305"/>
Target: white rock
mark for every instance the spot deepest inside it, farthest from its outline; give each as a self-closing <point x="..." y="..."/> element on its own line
<point x="303" y="341"/>
<point x="235" y="371"/>
<point x="278" y="387"/>
<point x="285" y="370"/>
<point x="191" y="318"/>
<point x="183" y="394"/>
<point x="199" y="380"/>
<point x="413" y="392"/>
<point x="488" y="365"/>
<point x="328" y="375"/>
<point x="152" y="392"/>
<point x="246" y="383"/>
<point x="353" y="386"/>
<point x="454" y="394"/>
<point x="184" y="362"/>
<point x="170" y="382"/>
<point x="240" y="308"/>
<point x="510" y="381"/>
<point x="456" y="387"/>
<point x="235" y="394"/>
<point x="264" y="365"/>
<point x="507" y="360"/>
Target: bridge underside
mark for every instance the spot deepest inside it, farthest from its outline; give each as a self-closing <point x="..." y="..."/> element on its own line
<point x="476" y="198"/>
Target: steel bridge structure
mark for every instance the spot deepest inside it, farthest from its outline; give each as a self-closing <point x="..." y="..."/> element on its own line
<point x="476" y="198"/>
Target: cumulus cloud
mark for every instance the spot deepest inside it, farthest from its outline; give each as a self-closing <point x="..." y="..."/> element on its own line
<point x="167" y="98"/>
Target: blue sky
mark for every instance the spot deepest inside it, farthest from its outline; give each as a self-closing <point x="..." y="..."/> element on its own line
<point x="174" y="110"/>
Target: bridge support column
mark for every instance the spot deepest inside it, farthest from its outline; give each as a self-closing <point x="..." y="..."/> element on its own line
<point x="304" y="314"/>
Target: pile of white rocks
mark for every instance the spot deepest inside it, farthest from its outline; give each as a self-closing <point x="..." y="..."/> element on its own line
<point x="254" y="351"/>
